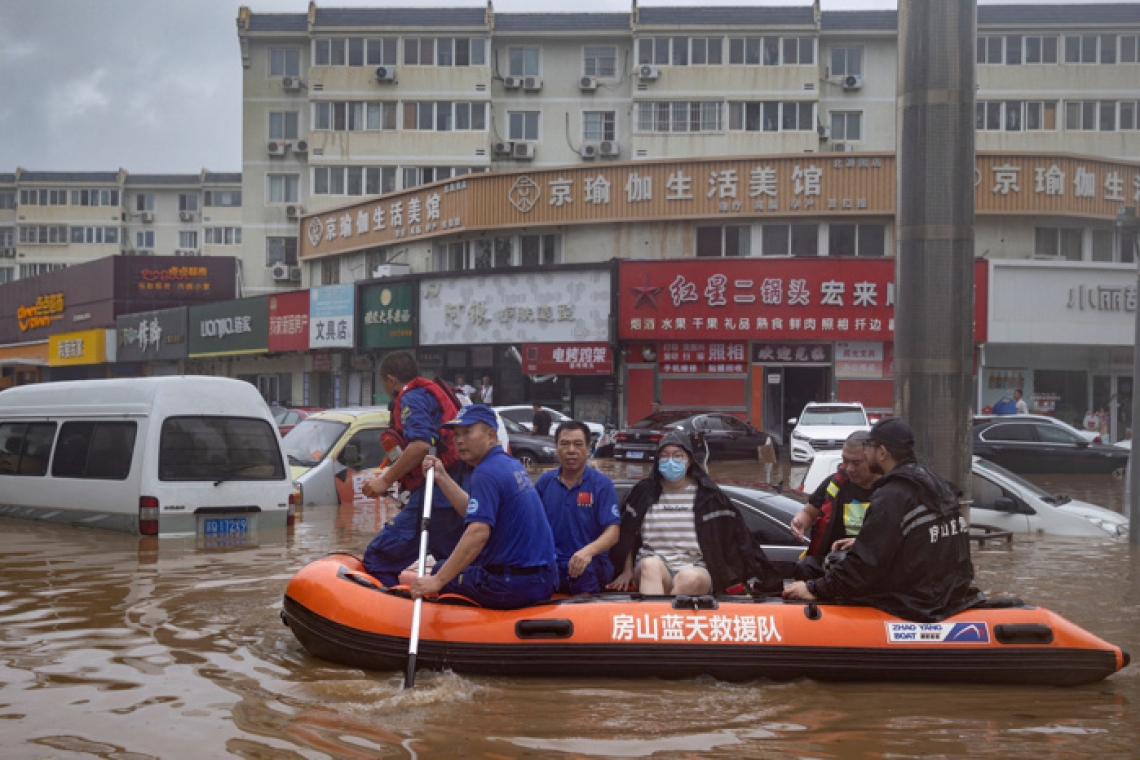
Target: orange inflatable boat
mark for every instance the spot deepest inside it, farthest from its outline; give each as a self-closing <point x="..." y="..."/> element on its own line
<point x="341" y="614"/>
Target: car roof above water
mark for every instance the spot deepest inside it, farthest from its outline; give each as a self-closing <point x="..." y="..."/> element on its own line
<point x="198" y="394"/>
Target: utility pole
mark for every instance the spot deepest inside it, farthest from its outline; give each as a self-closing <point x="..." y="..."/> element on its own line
<point x="934" y="314"/>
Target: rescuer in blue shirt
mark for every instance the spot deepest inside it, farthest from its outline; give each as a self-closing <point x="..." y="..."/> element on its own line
<point x="582" y="508"/>
<point x="505" y="559"/>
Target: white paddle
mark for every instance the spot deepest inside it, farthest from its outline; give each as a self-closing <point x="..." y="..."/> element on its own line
<point x="417" y="606"/>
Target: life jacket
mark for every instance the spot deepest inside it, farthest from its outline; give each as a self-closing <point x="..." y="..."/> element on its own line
<point x="827" y="513"/>
<point x="394" y="440"/>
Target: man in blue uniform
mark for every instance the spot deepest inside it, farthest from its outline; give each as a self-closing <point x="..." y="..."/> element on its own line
<point x="505" y="559"/>
<point x="582" y="508"/>
<point x="420" y="406"/>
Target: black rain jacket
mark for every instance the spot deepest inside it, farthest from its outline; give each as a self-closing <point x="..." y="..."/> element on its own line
<point x="912" y="556"/>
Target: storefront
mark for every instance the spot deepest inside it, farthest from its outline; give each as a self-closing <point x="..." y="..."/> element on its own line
<point x="282" y="375"/>
<point x="332" y="380"/>
<point x="479" y="326"/>
<point x="386" y="324"/>
<point x="82" y="355"/>
<point x="1063" y="333"/>
<point x="22" y="363"/>
<point x="761" y="338"/>
<point x="153" y="342"/>
<point x="230" y="339"/>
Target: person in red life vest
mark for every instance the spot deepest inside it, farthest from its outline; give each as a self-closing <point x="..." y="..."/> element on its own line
<point x="419" y="408"/>
<point x="582" y="508"/>
<point x="835" y="511"/>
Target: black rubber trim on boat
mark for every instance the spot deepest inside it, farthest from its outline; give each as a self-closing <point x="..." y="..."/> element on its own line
<point x="1127" y="658"/>
<point x="560" y="628"/>
<point x="704" y="602"/>
<point x="1023" y="633"/>
<point x="811" y="611"/>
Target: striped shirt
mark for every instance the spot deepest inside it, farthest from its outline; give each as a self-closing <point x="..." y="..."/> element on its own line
<point x="669" y="529"/>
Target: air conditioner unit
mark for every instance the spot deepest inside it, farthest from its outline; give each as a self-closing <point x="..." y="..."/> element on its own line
<point x="301" y="146"/>
<point x="647" y="72"/>
<point x="1126" y="215"/>
<point x="534" y="84"/>
<point x="512" y="83"/>
<point x="277" y="147"/>
<point x="841" y="147"/>
<point x="391" y="270"/>
<point x="522" y="150"/>
<point x="824" y="132"/>
<point x="853" y="82"/>
<point x="588" y="150"/>
<point x="293" y="211"/>
<point x="146" y="216"/>
<point x="186" y="252"/>
<point x="283" y="272"/>
<point x="186" y="216"/>
<point x="609" y="148"/>
<point x="386" y="74"/>
<point x="502" y="148"/>
<point x="588" y="84"/>
<point x="291" y="84"/>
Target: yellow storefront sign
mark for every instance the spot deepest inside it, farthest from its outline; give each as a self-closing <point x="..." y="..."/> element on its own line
<point x="82" y="347"/>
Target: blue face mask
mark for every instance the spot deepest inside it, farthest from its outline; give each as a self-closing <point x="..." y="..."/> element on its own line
<point x="672" y="469"/>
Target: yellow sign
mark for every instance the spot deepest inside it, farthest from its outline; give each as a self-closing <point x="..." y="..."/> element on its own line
<point x="47" y="309"/>
<point x="83" y="347"/>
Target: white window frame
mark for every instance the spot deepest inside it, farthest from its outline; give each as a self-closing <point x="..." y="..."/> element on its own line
<point x="846" y="115"/>
<point x="271" y="254"/>
<point x="523" y="50"/>
<point x="799" y="47"/>
<point x="288" y="182"/>
<point x="587" y="58"/>
<point x="144" y="240"/>
<point x="515" y="136"/>
<point x="284" y="72"/>
<point x="847" y="50"/>
<point x="187" y="239"/>
<point x="284" y="118"/>
<point x="1041" y="38"/>
<point x="612" y="131"/>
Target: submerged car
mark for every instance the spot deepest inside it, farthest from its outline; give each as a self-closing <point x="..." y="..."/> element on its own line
<point x="323" y="465"/>
<point x="824" y="427"/>
<point x="1026" y="444"/>
<point x="287" y="419"/>
<point x="726" y="436"/>
<point x="768" y="515"/>
<point x="1007" y="501"/>
<point x="524" y="415"/>
<point x="530" y="449"/>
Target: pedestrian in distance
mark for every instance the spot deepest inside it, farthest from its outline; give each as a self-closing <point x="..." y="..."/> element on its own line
<point x="1022" y="407"/>
<point x="486" y="392"/>
<point x="541" y="423"/>
<point x="462" y="386"/>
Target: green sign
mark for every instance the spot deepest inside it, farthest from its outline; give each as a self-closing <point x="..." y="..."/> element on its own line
<point x="386" y="315"/>
<point x="230" y="327"/>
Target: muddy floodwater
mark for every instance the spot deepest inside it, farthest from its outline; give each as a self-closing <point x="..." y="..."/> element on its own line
<point x="122" y="648"/>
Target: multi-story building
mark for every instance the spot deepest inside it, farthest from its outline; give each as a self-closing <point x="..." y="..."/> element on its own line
<point x="51" y="220"/>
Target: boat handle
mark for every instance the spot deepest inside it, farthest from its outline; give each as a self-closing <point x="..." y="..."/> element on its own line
<point x="559" y="628"/>
<point x="1023" y="633"/>
<point x="358" y="579"/>
<point x="811" y="611"/>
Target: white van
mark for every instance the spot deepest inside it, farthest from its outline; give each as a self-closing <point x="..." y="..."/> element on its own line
<point x="149" y="456"/>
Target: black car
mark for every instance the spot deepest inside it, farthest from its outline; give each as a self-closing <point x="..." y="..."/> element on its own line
<point x="528" y="448"/>
<point x="726" y="437"/>
<point x="1025" y="445"/>
<point x="768" y="515"/>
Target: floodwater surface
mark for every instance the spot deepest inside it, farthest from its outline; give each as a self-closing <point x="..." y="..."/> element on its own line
<point x="126" y="648"/>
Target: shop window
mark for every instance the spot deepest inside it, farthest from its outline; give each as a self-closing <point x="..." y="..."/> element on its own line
<point x="1102" y="245"/>
<point x="856" y="240"/>
<point x="539" y="250"/>
<point x="724" y="240"/>
<point x="330" y="272"/>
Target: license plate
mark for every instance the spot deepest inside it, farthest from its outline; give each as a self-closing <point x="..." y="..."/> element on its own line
<point x="635" y="454"/>
<point x="225" y="527"/>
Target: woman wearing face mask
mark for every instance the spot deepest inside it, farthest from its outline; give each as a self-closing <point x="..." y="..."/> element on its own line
<point x="681" y="535"/>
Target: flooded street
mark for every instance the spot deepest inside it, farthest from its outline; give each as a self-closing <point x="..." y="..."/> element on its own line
<point x="120" y="647"/>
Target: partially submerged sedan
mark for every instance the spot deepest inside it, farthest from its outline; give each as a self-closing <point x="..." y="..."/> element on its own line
<point x="329" y="453"/>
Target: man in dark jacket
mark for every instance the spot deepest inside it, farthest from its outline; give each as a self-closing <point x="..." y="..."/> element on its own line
<point x="541" y="422"/>
<point x="912" y="556"/>
<point x="729" y="552"/>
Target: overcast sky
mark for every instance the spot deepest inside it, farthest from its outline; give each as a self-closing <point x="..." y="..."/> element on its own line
<point x="155" y="85"/>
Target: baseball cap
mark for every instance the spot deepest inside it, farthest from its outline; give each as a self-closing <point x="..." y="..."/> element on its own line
<point x="469" y="415"/>
<point x="893" y="433"/>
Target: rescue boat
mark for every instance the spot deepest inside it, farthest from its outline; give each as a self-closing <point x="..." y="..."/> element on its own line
<point x="341" y="614"/>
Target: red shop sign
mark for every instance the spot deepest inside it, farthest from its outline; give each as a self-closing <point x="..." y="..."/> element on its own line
<point x="762" y="299"/>
<point x="567" y="359"/>
<point x="703" y="358"/>
<point x="289" y="322"/>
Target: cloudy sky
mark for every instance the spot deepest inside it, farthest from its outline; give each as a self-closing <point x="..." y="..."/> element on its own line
<point x="155" y="85"/>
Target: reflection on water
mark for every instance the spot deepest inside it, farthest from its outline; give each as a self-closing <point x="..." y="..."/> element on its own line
<point x="119" y="647"/>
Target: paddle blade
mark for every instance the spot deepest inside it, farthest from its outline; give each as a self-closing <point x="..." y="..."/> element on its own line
<point x="410" y="676"/>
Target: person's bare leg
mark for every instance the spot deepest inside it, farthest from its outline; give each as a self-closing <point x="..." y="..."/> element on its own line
<point x="653" y="577"/>
<point x="693" y="581"/>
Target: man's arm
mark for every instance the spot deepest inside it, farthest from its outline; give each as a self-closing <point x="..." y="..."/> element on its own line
<point x="603" y="543"/>
<point x="871" y="555"/>
<point x="473" y="540"/>
<point x="451" y="490"/>
<point x="412" y="457"/>
<point x="804" y="519"/>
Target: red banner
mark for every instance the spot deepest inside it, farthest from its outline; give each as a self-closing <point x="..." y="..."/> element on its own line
<point x="567" y="359"/>
<point x="289" y="322"/>
<point x="759" y="299"/>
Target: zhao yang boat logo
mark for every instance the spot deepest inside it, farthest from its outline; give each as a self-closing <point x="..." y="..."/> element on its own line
<point x="938" y="633"/>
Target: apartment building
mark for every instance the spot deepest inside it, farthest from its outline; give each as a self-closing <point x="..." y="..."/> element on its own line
<point x="52" y="220"/>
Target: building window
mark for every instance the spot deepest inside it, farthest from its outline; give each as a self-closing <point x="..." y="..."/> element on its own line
<point x="187" y="201"/>
<point x="723" y="240"/>
<point x="93" y="235"/>
<point x="681" y="51"/>
<point x="846" y="61"/>
<point x="444" y="51"/>
<point x="599" y="125"/>
<point x="355" y="52"/>
<point x="771" y="117"/>
<point x="284" y="62"/>
<point x="789" y="240"/>
<point x="43" y="197"/>
<point x="857" y="240"/>
<point x="35" y="270"/>
<point x="43" y="234"/>
<point x="679" y="116"/>
<point x="1081" y="48"/>
<point x="498" y="252"/>
<point x="1040" y="49"/>
<point x="756" y="51"/>
<point x="445" y="116"/>
<point x="284" y="188"/>
<point x="1102" y="115"/>
<point x="144" y="202"/>
<point x="223" y="198"/>
<point x="144" y="240"/>
<point x="187" y="239"/>
<point x="522" y="125"/>
<point x="7" y="237"/>
<point x="354" y="116"/>
<point x="223" y="236"/>
<point x="846" y="126"/>
<point x="540" y="250"/>
<point x="1130" y="48"/>
<point x="1057" y="243"/>
<point x="281" y="250"/>
<point x="283" y="125"/>
<point x="8" y="201"/>
<point x="524" y="61"/>
<point x="94" y="197"/>
<point x="1128" y="115"/>
<point x="330" y="272"/>
<point x="7" y="274"/>
<point x="600" y="62"/>
<point x="799" y="50"/>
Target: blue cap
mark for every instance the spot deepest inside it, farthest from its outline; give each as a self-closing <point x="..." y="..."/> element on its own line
<point x="469" y="415"/>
